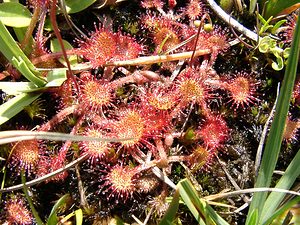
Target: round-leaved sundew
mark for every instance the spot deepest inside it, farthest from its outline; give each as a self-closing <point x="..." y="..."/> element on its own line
<point x="214" y="132"/>
<point x="95" y="94"/>
<point x="131" y="126"/>
<point x="96" y="150"/>
<point x="194" y="9"/>
<point x="25" y="155"/>
<point x="242" y="90"/>
<point x="120" y="182"/>
<point x="99" y="48"/>
<point x="17" y="212"/>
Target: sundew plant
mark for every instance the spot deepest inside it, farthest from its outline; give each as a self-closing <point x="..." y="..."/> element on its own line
<point x="149" y="112"/>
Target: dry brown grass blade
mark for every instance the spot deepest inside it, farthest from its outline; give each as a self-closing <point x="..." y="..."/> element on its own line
<point x="249" y="190"/>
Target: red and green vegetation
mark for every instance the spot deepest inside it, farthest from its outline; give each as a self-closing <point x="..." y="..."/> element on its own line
<point x="149" y="112"/>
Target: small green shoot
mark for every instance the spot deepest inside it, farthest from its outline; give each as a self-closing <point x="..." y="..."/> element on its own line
<point x="269" y="45"/>
<point x="202" y="211"/>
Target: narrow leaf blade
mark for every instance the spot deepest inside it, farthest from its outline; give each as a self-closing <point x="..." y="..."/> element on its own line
<point x="285" y="182"/>
<point x="274" y="140"/>
<point x="172" y="210"/>
<point x="13" y="53"/>
<point x="53" y="218"/>
<point x="203" y="213"/>
<point x="15" y="105"/>
<point x="281" y="210"/>
<point x="273" y="7"/>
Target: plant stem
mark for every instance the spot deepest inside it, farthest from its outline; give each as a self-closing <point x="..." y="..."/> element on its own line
<point x="60" y="40"/>
<point x="54" y="55"/>
<point x="232" y="22"/>
<point x="33" y="22"/>
<point x="59" y="117"/>
<point x="146" y="60"/>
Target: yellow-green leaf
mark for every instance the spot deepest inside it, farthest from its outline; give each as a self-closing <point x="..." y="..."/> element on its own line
<point x="14" y="14"/>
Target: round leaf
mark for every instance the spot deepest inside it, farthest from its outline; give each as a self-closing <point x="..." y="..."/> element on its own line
<point x="74" y="6"/>
<point x="55" y="47"/>
<point x="14" y="14"/>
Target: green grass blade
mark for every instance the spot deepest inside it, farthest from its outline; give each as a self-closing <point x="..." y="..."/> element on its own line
<point x="31" y="205"/>
<point x="15" y="105"/>
<point x="252" y="6"/>
<point x="273" y="144"/>
<point x="20" y="64"/>
<point x="273" y="7"/>
<point x="281" y="210"/>
<point x="78" y="216"/>
<point x="189" y="203"/>
<point x="203" y="213"/>
<point x="53" y="218"/>
<point x="172" y="210"/>
<point x="16" y="88"/>
<point x="285" y="182"/>
<point x="15" y="55"/>
<point x="26" y="93"/>
<point x="55" y="78"/>
<point x="253" y="218"/>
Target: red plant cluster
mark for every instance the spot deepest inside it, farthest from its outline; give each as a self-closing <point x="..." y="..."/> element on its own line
<point x="214" y="132"/>
<point x="146" y="113"/>
<point x="95" y="94"/>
